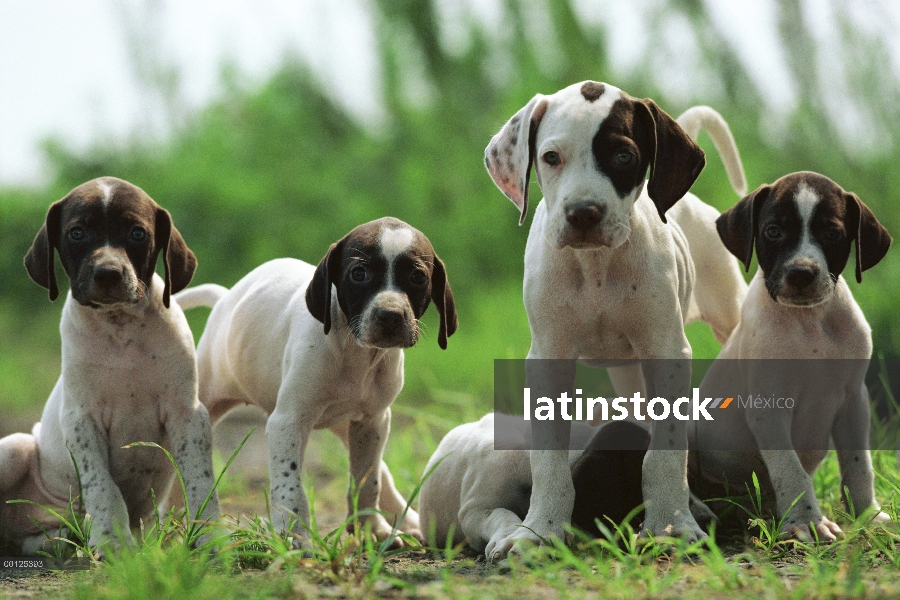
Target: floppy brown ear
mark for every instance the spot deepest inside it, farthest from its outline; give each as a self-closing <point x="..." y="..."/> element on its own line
<point x="318" y="293"/>
<point x="178" y="260"/>
<point x="510" y="154"/>
<point x="675" y="159"/>
<point x="39" y="259"/>
<point x="737" y="225"/>
<point x="872" y="239"/>
<point x="442" y="296"/>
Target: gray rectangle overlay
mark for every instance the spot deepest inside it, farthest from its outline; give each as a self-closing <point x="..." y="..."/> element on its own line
<point x="724" y="403"/>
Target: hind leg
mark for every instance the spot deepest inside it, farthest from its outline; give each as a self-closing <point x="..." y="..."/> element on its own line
<point x="626" y="381"/>
<point x="719" y="289"/>
<point x="719" y="292"/>
<point x="17" y="454"/>
<point x="390" y="500"/>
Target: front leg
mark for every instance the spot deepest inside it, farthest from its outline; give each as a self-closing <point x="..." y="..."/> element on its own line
<point x="772" y="431"/>
<point x="490" y="530"/>
<point x="287" y="434"/>
<point x="553" y="493"/>
<point x="851" y="440"/>
<point x="664" y="473"/>
<point x="191" y="440"/>
<point x="367" y="439"/>
<point x="102" y="498"/>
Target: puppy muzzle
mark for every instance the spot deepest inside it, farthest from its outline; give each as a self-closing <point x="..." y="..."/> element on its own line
<point x="388" y="324"/>
<point x="802" y="284"/>
<point x="108" y="283"/>
<point x="588" y="225"/>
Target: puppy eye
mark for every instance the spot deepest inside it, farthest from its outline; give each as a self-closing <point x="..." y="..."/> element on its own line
<point x="551" y="158"/>
<point x="417" y="277"/>
<point x="76" y="234"/>
<point x="833" y="234"/>
<point x="138" y="234"/>
<point x="773" y="232"/>
<point x="623" y="158"/>
<point x="358" y="274"/>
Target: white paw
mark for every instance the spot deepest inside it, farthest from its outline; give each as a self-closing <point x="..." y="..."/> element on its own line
<point x="881" y="518"/>
<point x="382" y="531"/>
<point x="500" y="547"/>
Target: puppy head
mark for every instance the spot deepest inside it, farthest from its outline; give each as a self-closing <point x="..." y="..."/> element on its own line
<point x="803" y="226"/>
<point x="108" y="234"/>
<point x="591" y="145"/>
<point x="385" y="274"/>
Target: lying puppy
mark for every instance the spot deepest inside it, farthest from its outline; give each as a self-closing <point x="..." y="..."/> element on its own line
<point x="481" y="495"/>
<point x="265" y="345"/>
<point x="610" y="276"/>
<point x="128" y="373"/>
<point x="798" y="307"/>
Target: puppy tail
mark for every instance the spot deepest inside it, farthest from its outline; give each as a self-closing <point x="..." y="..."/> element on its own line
<point x="202" y="295"/>
<point x="703" y="117"/>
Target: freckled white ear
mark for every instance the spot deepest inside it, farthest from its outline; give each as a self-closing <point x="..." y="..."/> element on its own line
<point x="510" y="154"/>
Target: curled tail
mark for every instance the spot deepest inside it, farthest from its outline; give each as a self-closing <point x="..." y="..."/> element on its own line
<point x="202" y="295"/>
<point x="703" y="117"/>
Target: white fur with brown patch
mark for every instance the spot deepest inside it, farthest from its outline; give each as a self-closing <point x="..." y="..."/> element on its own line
<point x="623" y="296"/>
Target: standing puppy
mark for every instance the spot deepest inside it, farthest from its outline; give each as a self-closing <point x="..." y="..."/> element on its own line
<point x="128" y="372"/>
<point x="609" y="279"/>
<point x="798" y="307"/>
<point x="265" y="345"/>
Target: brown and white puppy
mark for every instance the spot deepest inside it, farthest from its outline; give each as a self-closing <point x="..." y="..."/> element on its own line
<point x="265" y="345"/>
<point x="479" y="495"/>
<point x="610" y="274"/>
<point x="798" y="307"/>
<point x="128" y="372"/>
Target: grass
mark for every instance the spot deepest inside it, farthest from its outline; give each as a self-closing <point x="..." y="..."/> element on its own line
<point x="344" y="561"/>
<point x="444" y="389"/>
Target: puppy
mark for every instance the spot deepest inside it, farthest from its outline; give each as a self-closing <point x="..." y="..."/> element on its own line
<point x="798" y="307"/>
<point x="610" y="277"/>
<point x="480" y="495"/>
<point x="322" y="347"/>
<point x="128" y="373"/>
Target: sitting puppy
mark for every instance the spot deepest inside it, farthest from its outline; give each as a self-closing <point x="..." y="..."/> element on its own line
<point x="128" y="373"/>
<point x="481" y="495"/>
<point x="265" y="345"/>
<point x="798" y="307"/>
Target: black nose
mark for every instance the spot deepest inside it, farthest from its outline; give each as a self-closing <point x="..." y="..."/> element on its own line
<point x="801" y="277"/>
<point x="584" y="217"/>
<point x="388" y="318"/>
<point x="107" y="275"/>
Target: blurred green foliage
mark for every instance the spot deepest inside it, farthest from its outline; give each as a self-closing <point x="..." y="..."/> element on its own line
<point x="280" y="169"/>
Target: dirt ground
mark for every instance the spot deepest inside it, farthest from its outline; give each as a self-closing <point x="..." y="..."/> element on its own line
<point x="244" y="492"/>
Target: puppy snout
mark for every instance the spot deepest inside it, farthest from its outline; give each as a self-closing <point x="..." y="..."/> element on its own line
<point x="801" y="276"/>
<point x="108" y="275"/>
<point x="585" y="217"/>
<point x="388" y="318"/>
